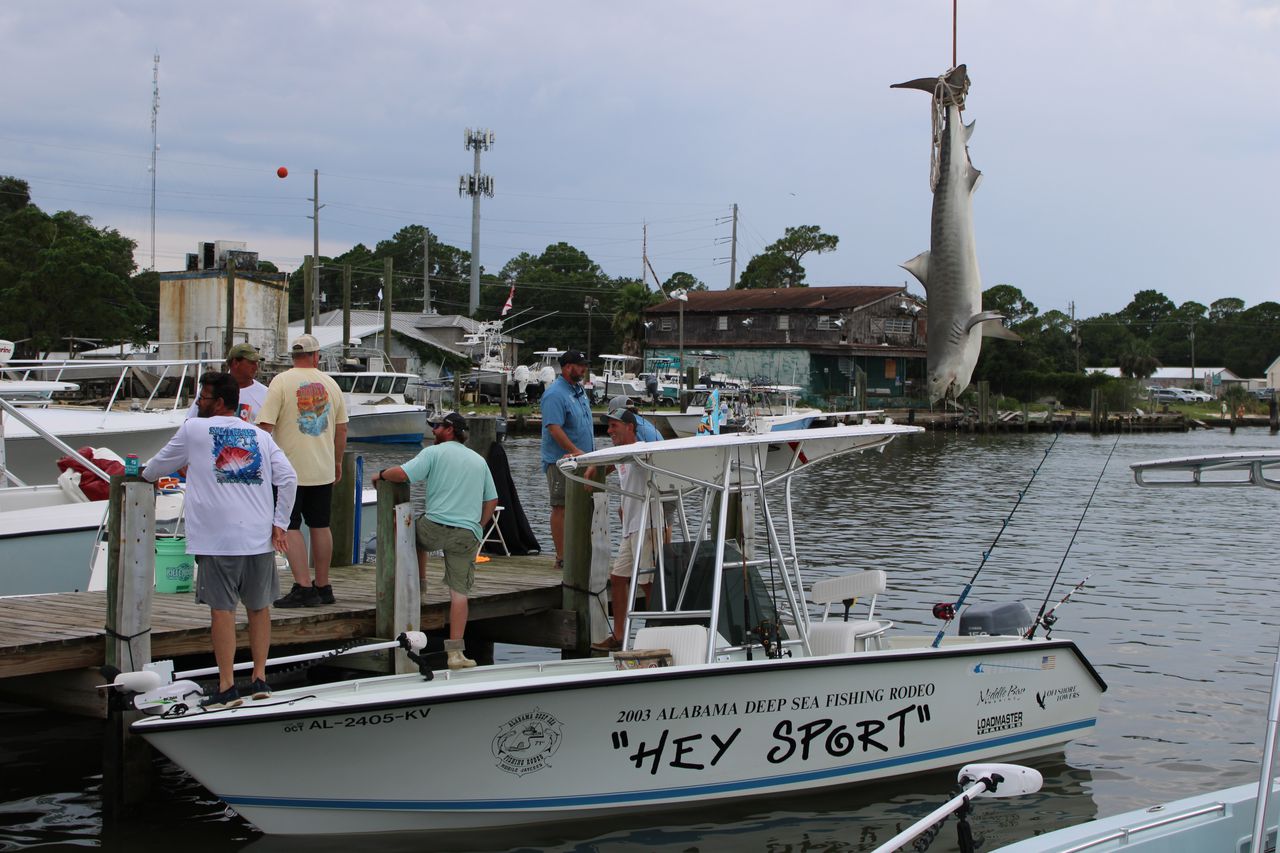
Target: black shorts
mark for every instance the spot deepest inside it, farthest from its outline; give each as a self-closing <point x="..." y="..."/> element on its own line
<point x="312" y="504"/>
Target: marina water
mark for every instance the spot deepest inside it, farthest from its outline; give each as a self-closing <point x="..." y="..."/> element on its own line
<point x="1175" y="616"/>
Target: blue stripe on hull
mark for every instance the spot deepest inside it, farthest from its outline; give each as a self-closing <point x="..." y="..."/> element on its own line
<point x="690" y="792"/>
<point x="403" y="438"/>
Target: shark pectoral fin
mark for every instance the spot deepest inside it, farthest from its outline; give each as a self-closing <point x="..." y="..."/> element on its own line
<point x="974" y="177"/>
<point x="925" y="84"/>
<point x="991" y="325"/>
<point x="919" y="267"/>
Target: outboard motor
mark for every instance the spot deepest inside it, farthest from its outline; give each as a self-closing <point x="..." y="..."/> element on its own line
<point x="1008" y="619"/>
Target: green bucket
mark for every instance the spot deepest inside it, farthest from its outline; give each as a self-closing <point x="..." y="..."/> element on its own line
<point x="174" y="566"/>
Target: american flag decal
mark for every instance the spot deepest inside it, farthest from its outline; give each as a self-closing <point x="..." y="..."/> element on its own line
<point x="1048" y="661"/>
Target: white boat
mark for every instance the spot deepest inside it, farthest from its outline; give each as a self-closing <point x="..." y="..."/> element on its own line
<point x="772" y="408"/>
<point x="661" y="376"/>
<point x="778" y="700"/>
<point x="617" y="380"/>
<point x="377" y="408"/>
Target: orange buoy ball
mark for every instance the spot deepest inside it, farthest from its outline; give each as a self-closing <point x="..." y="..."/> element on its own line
<point x="282" y="172"/>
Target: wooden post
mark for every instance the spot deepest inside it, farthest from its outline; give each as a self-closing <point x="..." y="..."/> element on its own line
<point x="346" y="310"/>
<point x="1095" y="411"/>
<point x="984" y="405"/>
<point x="395" y="587"/>
<point x="578" y="507"/>
<point x="306" y="293"/>
<point x="1026" y="417"/>
<point x="860" y="389"/>
<point x="1275" y="414"/>
<point x="229" y="336"/>
<point x="503" y="404"/>
<point x="131" y="579"/>
<point x="342" y="511"/>
<point x="387" y="275"/>
<point x="482" y="432"/>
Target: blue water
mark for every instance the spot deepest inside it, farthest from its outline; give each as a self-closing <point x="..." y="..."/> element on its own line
<point x="1174" y="614"/>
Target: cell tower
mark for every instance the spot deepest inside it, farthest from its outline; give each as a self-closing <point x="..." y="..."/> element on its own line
<point x="155" y="149"/>
<point x="476" y="185"/>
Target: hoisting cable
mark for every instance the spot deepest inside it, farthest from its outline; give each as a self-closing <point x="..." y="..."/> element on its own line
<point x="947" y="612"/>
<point x="1042" y="617"/>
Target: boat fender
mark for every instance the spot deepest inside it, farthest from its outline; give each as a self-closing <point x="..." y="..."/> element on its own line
<point x="414" y="641"/>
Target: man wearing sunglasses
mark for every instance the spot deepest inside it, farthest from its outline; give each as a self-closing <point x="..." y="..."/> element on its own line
<point x="461" y="498"/>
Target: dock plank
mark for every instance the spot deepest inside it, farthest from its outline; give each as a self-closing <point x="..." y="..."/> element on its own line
<point x="53" y="633"/>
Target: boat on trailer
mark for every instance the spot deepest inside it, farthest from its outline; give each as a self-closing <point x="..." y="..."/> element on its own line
<point x="728" y="684"/>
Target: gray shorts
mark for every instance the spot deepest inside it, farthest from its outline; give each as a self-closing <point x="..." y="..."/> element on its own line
<point x="555" y="485"/>
<point x="224" y="581"/>
<point x="459" y="546"/>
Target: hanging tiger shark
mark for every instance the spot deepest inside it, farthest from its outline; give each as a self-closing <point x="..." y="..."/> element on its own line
<point x="949" y="268"/>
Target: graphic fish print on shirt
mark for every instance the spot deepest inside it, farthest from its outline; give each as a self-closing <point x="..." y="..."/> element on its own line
<point x="236" y="456"/>
<point x="313" y="408"/>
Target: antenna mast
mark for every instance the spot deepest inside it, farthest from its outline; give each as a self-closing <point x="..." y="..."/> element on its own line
<point x="476" y="185"/>
<point x="155" y="148"/>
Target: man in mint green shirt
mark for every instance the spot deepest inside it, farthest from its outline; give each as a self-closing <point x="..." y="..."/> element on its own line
<point x="461" y="498"/>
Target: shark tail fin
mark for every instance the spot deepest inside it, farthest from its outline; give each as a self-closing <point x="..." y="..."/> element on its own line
<point x="919" y="267"/>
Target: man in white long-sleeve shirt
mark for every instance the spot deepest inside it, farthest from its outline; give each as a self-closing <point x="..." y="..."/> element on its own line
<point x="233" y="524"/>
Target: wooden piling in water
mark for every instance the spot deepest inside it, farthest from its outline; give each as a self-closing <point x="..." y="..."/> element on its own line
<point x="131" y="578"/>
<point x="578" y="507"/>
<point x="398" y="595"/>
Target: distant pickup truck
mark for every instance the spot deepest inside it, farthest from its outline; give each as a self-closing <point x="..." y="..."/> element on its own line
<point x="1263" y="393"/>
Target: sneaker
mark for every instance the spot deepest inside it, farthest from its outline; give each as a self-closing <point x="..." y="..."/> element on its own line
<point x="608" y="644"/>
<point x="259" y="689"/>
<point x="229" y="698"/>
<point x="299" y="596"/>
<point x="326" y="593"/>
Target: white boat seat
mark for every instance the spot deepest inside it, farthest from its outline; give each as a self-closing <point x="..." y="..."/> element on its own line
<point x="838" y="637"/>
<point x="687" y="643"/>
<point x="494" y="534"/>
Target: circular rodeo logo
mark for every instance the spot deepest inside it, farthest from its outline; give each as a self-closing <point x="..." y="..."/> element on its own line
<point x="527" y="742"/>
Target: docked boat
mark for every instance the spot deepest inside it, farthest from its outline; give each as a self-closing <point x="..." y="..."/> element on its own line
<point x="618" y="380"/>
<point x="727" y="685"/>
<point x="773" y="408"/>
<point x="377" y="408"/>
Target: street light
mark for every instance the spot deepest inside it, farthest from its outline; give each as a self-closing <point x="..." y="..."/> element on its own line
<point x="681" y="296"/>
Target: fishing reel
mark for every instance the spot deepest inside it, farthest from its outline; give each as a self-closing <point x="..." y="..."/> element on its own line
<point x="944" y="611"/>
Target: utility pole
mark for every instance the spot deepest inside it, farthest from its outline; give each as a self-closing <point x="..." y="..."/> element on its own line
<point x="307" y="263"/>
<point x="426" y="270"/>
<point x="313" y="305"/>
<point x="590" y="304"/>
<point x="1192" y="336"/>
<point x="1075" y="333"/>
<point x="476" y="185"/>
<point x="155" y="150"/>
<point x="733" y="251"/>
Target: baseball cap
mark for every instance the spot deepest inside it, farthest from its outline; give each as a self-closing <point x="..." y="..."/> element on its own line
<point x="246" y="351"/>
<point x="625" y="415"/>
<point x="305" y="344"/>
<point x="622" y="401"/>
<point x="453" y="419"/>
<point x="573" y="356"/>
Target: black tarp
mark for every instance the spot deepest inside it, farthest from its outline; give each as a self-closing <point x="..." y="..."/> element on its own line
<point x="513" y="523"/>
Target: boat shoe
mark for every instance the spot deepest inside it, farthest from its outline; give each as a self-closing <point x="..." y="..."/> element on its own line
<point x="259" y="689"/>
<point x="229" y="698"/>
<point x="608" y="644"/>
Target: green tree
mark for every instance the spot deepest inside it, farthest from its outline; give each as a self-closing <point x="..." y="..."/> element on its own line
<point x="1137" y="361"/>
<point x="557" y="284"/>
<point x="684" y="280"/>
<point x="629" y="302"/>
<point x="61" y="276"/>
<point x="779" y="264"/>
<point x="1010" y="302"/>
<point x="1146" y="311"/>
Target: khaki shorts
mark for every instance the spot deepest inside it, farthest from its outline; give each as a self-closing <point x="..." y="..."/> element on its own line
<point x="622" y="561"/>
<point x="556" y="483"/>
<point x="459" y="546"/>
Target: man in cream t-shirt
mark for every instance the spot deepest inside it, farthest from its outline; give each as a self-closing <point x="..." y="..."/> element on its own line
<point x="306" y="415"/>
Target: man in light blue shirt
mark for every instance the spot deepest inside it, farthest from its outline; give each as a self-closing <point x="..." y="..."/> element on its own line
<point x="566" y="431"/>
<point x="461" y="498"/>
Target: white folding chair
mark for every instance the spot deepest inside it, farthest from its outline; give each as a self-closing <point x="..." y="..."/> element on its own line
<point x="837" y="637"/>
<point x="494" y="534"/>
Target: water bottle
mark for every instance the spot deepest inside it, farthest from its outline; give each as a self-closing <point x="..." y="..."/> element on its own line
<point x="131" y="468"/>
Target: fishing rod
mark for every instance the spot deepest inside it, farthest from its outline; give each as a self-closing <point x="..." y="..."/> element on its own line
<point x="947" y="612"/>
<point x="1043" y="618"/>
<point x="1048" y="619"/>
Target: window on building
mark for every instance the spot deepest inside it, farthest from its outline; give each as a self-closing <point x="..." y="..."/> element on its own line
<point x="890" y="368"/>
<point x="825" y="323"/>
<point x="667" y="324"/>
<point x="722" y="323"/>
<point x="899" y="325"/>
<point x="784" y="322"/>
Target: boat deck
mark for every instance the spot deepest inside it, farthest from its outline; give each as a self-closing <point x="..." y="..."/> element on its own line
<point x="516" y="599"/>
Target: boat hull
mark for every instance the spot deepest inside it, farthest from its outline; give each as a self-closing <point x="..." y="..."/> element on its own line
<point x="34" y="460"/>
<point x="515" y="745"/>
<point x="387" y="424"/>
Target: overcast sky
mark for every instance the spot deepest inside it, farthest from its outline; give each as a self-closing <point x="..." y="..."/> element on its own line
<point x="1125" y="145"/>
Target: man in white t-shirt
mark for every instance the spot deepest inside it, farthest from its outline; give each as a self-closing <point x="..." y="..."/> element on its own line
<point x="233" y="524"/>
<point x="242" y="364"/>
<point x="622" y="429"/>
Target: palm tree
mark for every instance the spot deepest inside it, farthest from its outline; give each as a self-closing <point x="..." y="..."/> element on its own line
<point x="1137" y="360"/>
<point x="629" y="302"/>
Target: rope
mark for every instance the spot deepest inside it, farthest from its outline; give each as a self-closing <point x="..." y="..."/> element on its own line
<point x="943" y="94"/>
<point x="986" y="555"/>
<point x="1040" y="616"/>
<point x="128" y="639"/>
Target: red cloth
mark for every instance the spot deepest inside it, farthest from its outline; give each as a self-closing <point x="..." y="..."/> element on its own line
<point x="94" y="487"/>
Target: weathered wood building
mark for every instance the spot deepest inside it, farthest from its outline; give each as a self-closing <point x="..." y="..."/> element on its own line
<point x="814" y="337"/>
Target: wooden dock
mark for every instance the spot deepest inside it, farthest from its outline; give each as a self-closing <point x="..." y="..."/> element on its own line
<point x="52" y="645"/>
